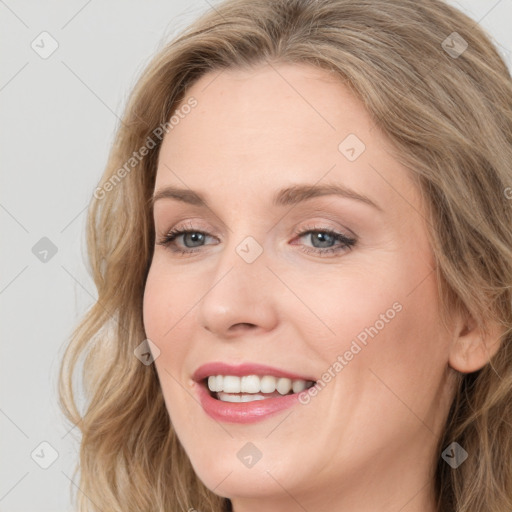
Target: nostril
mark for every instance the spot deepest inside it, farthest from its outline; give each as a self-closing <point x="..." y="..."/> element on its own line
<point x="242" y="325"/>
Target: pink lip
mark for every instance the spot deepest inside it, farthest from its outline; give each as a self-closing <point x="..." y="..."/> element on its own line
<point x="217" y="368"/>
<point x="242" y="412"/>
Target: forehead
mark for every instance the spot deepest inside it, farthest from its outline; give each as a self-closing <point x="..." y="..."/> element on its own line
<point x="280" y="106"/>
<point x="255" y="129"/>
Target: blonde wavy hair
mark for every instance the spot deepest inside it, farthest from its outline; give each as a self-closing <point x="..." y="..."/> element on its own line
<point x="448" y="118"/>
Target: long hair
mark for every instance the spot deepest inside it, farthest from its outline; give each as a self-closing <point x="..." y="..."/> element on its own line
<point x="436" y="86"/>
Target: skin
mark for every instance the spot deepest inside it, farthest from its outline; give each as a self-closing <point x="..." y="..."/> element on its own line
<point x="367" y="441"/>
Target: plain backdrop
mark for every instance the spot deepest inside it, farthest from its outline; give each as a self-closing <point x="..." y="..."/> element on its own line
<point x="59" y="114"/>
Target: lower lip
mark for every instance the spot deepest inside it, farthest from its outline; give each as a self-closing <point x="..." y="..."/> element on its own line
<point x="243" y="412"/>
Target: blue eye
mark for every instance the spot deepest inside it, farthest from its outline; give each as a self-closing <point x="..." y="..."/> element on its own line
<point x="192" y="239"/>
<point x="324" y="240"/>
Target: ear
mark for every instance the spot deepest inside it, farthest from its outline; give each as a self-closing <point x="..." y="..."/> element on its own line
<point x="471" y="349"/>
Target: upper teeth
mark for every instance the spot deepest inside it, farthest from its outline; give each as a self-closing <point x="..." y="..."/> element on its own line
<point x="256" y="384"/>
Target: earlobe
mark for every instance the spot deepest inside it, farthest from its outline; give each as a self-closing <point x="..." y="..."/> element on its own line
<point x="471" y="349"/>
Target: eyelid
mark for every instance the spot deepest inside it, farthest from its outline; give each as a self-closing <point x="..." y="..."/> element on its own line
<point x="191" y="224"/>
<point x="319" y="226"/>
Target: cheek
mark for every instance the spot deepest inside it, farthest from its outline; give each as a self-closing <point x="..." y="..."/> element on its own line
<point x="153" y="302"/>
<point x="165" y="308"/>
<point x="383" y="315"/>
<point x="169" y="313"/>
<point x="405" y="358"/>
<point x="347" y="304"/>
<point x="165" y="301"/>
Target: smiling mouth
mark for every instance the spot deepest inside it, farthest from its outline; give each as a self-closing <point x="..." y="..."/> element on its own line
<point x="249" y="388"/>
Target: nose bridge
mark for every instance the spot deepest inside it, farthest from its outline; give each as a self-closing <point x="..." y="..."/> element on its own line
<point x="244" y="244"/>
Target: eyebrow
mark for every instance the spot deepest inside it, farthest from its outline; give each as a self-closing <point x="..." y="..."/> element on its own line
<point x="286" y="197"/>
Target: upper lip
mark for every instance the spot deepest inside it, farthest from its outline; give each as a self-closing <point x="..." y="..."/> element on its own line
<point x="219" y="368"/>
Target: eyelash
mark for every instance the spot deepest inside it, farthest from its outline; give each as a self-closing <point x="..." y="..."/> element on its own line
<point x="347" y="242"/>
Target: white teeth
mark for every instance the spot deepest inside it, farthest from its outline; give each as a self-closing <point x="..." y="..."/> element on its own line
<point x="251" y="398"/>
<point x="298" y="386"/>
<point x="268" y="384"/>
<point x="212" y="383"/>
<point x="231" y="384"/>
<point x="226" y="397"/>
<point x="253" y="384"/>
<point x="250" y="384"/>
<point x="284" y="386"/>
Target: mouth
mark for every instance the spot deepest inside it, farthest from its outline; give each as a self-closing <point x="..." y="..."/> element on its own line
<point x="250" y="388"/>
<point x="248" y="392"/>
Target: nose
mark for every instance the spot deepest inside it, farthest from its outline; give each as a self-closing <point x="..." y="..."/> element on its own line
<point x="240" y="296"/>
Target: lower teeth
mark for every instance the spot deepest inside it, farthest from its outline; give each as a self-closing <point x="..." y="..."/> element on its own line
<point x="244" y="397"/>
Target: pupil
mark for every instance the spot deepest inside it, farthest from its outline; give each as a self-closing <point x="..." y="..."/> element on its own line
<point x="196" y="236"/>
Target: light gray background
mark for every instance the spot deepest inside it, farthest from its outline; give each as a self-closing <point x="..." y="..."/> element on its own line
<point x="59" y="116"/>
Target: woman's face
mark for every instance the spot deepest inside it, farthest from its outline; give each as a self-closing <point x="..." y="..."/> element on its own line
<point x="319" y="286"/>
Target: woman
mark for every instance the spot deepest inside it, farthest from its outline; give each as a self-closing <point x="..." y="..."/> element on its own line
<point x="302" y="245"/>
